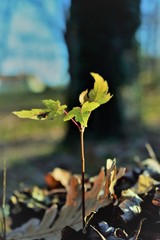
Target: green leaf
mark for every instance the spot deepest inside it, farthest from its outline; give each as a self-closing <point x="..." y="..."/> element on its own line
<point x="90" y="101"/>
<point x="36" y="114"/>
<point x="53" y="109"/>
<point x="100" y="91"/>
<point x="83" y="97"/>
<point x="81" y="114"/>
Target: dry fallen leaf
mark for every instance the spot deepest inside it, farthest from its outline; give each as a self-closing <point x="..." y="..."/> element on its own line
<point x="113" y="174"/>
<point x="144" y="184"/>
<point x="55" y="220"/>
<point x="129" y="205"/>
<point x="151" y="165"/>
<point x="58" y="178"/>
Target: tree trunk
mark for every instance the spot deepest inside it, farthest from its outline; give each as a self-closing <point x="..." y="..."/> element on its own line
<point x="99" y="33"/>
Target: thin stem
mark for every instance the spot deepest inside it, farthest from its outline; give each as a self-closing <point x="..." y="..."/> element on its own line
<point x="4" y="198"/>
<point x="83" y="173"/>
<point x="81" y="129"/>
<point x="73" y="121"/>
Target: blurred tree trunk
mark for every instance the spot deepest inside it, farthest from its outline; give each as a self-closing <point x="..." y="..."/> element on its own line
<point x="99" y="32"/>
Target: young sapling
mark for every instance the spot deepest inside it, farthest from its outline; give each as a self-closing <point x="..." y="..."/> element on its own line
<point x="89" y="101"/>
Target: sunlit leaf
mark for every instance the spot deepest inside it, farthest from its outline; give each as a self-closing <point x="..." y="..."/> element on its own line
<point x="81" y="114"/>
<point x="54" y="179"/>
<point x="83" y="97"/>
<point x="130" y="205"/>
<point x="151" y="165"/>
<point x="113" y="174"/>
<point x="36" y="114"/>
<point x="90" y="100"/>
<point x="53" y="109"/>
<point x="144" y="184"/>
<point x="100" y="91"/>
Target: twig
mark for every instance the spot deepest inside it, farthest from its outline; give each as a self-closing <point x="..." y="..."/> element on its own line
<point x="4" y="199"/>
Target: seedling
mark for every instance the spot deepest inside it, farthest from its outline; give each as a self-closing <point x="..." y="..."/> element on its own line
<point x="89" y="101"/>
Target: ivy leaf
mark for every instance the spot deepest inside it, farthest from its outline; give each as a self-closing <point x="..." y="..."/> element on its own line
<point x="81" y="114"/>
<point x="100" y="91"/>
<point x="53" y="109"/>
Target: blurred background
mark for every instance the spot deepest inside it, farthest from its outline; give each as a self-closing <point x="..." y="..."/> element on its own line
<point x="47" y="50"/>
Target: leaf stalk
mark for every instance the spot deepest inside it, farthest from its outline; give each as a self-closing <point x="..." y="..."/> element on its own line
<point x="65" y="112"/>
